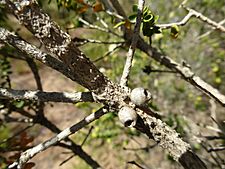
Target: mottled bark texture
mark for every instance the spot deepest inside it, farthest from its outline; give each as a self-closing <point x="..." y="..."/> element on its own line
<point x="85" y="73"/>
<point x="65" y="97"/>
<point x="58" y="43"/>
<point x="169" y="139"/>
<point x="186" y="73"/>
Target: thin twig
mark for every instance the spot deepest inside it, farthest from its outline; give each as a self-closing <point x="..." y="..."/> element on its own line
<point x="27" y="155"/>
<point x="193" y="13"/>
<point x="88" y="134"/>
<point x="209" y="32"/>
<point x="205" y="19"/>
<point x="130" y="54"/>
<point x="147" y="148"/>
<point x="108" y="53"/>
<point x="97" y="27"/>
<point x="221" y="148"/>
<point x="181" y="23"/>
<point x="115" y="15"/>
<point x="66" y="160"/>
<point x="136" y="164"/>
<point x="81" y="41"/>
<point x="70" y="157"/>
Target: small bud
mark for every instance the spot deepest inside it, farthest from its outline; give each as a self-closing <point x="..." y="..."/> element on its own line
<point x="139" y="96"/>
<point x="127" y="116"/>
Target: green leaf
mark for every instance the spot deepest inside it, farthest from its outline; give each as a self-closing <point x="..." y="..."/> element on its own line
<point x="132" y="18"/>
<point x="119" y="24"/>
<point x="148" y="18"/>
<point x="174" y="31"/>
<point x="146" y="11"/>
<point x="156" y="17"/>
<point x="135" y="8"/>
<point x="19" y="104"/>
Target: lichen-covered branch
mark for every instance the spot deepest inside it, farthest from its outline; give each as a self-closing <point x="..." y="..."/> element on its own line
<point x="209" y="32"/>
<point x="85" y="73"/>
<point x="168" y="139"/>
<point x="131" y="51"/>
<point x="193" y="13"/>
<point x="205" y="19"/>
<point x="42" y="96"/>
<point x="186" y="73"/>
<point x="58" y="43"/>
<point x="28" y="154"/>
<point x="33" y="52"/>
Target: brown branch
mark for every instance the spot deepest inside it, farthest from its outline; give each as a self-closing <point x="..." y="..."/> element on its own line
<point x="118" y="8"/>
<point x="28" y="154"/>
<point x="186" y="73"/>
<point x="58" y="43"/>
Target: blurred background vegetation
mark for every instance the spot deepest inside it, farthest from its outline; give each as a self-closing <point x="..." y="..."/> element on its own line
<point x="184" y="107"/>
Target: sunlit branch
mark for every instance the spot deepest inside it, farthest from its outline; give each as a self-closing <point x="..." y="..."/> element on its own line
<point x="131" y="51"/>
<point x="209" y="32"/>
<point x="81" y="41"/>
<point x="28" y="154"/>
<point x="89" y="25"/>
<point x="42" y="96"/>
<point x="193" y="13"/>
<point x="33" y="52"/>
<point x="114" y="14"/>
<point x="186" y="73"/>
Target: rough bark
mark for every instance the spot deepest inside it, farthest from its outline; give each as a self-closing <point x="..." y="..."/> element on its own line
<point x="184" y="71"/>
<point x="85" y="73"/>
<point x="58" y="43"/>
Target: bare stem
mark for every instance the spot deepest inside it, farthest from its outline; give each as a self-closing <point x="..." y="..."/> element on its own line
<point x="65" y="97"/>
<point x="193" y="13"/>
<point x="27" y="155"/>
<point x="131" y="51"/>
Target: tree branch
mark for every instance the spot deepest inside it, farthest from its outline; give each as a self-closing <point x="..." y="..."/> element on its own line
<point x="168" y="139"/>
<point x="131" y="51"/>
<point x="183" y="70"/>
<point x="205" y="19"/>
<point x="193" y="13"/>
<point x="33" y="52"/>
<point x="58" y="43"/>
<point x="64" y="97"/>
<point x="28" y="154"/>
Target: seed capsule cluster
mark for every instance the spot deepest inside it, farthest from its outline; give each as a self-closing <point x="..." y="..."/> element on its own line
<point x="139" y="96"/>
<point x="127" y="115"/>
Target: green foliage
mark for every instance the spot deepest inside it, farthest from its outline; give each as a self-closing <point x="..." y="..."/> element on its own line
<point x="148" y="21"/>
<point x="3" y="16"/>
<point x="200" y="104"/>
<point x="174" y="31"/>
